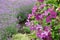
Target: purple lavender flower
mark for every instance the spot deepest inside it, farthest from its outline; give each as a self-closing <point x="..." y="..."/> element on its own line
<point x="40" y="0"/>
<point x="48" y="19"/>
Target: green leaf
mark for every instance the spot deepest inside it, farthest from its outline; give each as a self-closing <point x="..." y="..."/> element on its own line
<point x="36" y="22"/>
<point x="26" y="29"/>
<point x="44" y="22"/>
<point x="33" y="35"/>
<point x="57" y="26"/>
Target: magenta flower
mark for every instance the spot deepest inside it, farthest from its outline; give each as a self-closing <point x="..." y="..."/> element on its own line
<point x="34" y="9"/>
<point x="38" y="34"/>
<point x="40" y="0"/>
<point x="53" y="14"/>
<point x="30" y="15"/>
<point x="47" y="29"/>
<point x="49" y="37"/>
<point x="39" y="16"/>
<point x="42" y="5"/>
<point x="43" y="34"/>
<point x="32" y="28"/>
<point x="27" y="23"/>
<point x="48" y="19"/>
<point x="39" y="27"/>
<point x="46" y="13"/>
<point x="50" y="9"/>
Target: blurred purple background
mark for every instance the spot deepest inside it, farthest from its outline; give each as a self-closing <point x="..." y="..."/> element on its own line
<point x="10" y="8"/>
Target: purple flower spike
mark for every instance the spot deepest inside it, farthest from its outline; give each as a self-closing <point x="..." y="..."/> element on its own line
<point x="40" y="0"/>
<point x="48" y="19"/>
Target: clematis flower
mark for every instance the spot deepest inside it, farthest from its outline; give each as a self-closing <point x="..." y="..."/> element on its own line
<point x="39" y="27"/>
<point x="50" y="9"/>
<point x="53" y="14"/>
<point x="49" y="37"/>
<point x="42" y="5"/>
<point x="40" y="0"/>
<point x="48" y="19"/>
<point x="42" y="35"/>
<point x="39" y="16"/>
<point x="28" y="23"/>
<point x="32" y="27"/>
<point x="30" y="16"/>
<point x="47" y="29"/>
<point x="34" y="9"/>
<point x="46" y="13"/>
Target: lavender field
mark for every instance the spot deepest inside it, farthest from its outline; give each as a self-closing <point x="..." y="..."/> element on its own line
<point x="9" y="10"/>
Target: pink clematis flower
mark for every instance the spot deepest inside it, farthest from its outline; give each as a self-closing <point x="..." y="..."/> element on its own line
<point x="30" y="15"/>
<point x="46" y="13"/>
<point x="48" y="19"/>
<point x="53" y="14"/>
<point x="34" y="9"/>
<point x="42" y="5"/>
<point x="39" y="16"/>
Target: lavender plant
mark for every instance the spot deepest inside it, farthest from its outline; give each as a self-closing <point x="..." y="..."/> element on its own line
<point x="44" y="21"/>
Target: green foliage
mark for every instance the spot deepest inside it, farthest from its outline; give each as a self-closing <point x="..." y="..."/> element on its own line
<point x="21" y="17"/>
<point x="26" y="29"/>
<point x="32" y="35"/>
<point x="36" y="22"/>
<point x="55" y="31"/>
<point x="8" y="32"/>
<point x="20" y="37"/>
<point x="51" y="1"/>
<point x="44" y="22"/>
